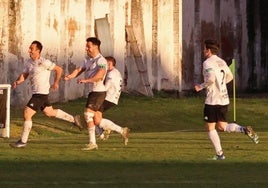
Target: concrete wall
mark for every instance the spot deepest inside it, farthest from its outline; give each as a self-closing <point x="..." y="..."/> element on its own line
<point x="169" y="35"/>
<point x="231" y="22"/>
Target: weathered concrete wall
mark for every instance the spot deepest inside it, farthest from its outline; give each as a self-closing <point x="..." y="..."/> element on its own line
<point x="169" y="35"/>
<point x="228" y="22"/>
<point x="156" y="26"/>
<point x="61" y="26"/>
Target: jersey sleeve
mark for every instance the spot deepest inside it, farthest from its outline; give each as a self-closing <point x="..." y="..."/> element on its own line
<point x="49" y="65"/>
<point x="102" y="64"/>
<point x="108" y="81"/>
<point x="229" y="75"/>
<point x="26" y="68"/>
<point x="209" y="75"/>
<point x="84" y="64"/>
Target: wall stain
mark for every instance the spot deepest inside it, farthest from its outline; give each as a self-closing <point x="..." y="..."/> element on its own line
<point x="72" y="28"/>
<point x="12" y="10"/>
<point x="55" y="24"/>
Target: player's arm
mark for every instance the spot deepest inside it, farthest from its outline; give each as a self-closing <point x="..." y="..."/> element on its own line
<point x="74" y="74"/>
<point x="209" y="78"/>
<point x="58" y="71"/>
<point x="108" y="82"/>
<point x="99" y="76"/>
<point x="229" y="76"/>
<point x="22" y="77"/>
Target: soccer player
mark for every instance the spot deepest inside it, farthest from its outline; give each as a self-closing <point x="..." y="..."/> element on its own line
<point x="38" y="69"/>
<point x="95" y="68"/>
<point x="216" y="75"/>
<point x="113" y="85"/>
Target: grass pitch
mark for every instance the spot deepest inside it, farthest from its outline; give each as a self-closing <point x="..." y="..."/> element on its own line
<point x="168" y="147"/>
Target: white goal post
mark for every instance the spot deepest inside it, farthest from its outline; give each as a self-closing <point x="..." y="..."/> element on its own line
<point x="5" y="110"/>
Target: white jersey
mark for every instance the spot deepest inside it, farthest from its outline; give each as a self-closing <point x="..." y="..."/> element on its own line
<point x="113" y="84"/>
<point x="216" y="75"/>
<point x="39" y="74"/>
<point x="92" y="66"/>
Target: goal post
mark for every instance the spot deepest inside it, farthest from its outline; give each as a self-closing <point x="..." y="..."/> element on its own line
<point x="5" y="110"/>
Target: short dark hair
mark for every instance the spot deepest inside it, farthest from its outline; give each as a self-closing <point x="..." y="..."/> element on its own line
<point x="38" y="45"/>
<point x="213" y="45"/>
<point x="94" y="41"/>
<point x="112" y="59"/>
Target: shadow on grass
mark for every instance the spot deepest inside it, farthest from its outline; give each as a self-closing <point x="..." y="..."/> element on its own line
<point x="132" y="174"/>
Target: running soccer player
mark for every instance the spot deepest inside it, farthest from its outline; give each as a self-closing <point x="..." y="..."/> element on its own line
<point x="95" y="68"/>
<point x="38" y="69"/>
<point x="113" y="85"/>
<point x="216" y="75"/>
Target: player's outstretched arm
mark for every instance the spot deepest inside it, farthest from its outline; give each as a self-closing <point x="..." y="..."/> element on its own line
<point x="74" y="74"/>
<point x="58" y="71"/>
<point x="22" y="77"/>
<point x="97" y="77"/>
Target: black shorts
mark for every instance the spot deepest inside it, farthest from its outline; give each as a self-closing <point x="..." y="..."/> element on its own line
<point x="215" y="113"/>
<point x="95" y="100"/>
<point x="38" y="102"/>
<point x="106" y="105"/>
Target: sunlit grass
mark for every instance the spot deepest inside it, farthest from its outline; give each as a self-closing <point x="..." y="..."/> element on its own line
<point x="168" y="147"/>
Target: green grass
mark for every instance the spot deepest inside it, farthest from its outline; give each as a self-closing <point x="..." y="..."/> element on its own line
<point x="168" y="147"/>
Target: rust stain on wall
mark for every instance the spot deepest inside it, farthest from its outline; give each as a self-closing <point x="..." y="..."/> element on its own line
<point x="208" y="30"/>
<point x="1" y="47"/>
<point x="12" y="10"/>
<point x="188" y="65"/>
<point x="227" y="47"/>
<point x="55" y="24"/>
<point x="72" y="28"/>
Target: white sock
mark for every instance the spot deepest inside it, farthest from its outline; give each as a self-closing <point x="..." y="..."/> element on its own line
<point x="27" y="126"/>
<point x="64" y="116"/>
<point x="108" y="124"/>
<point x="233" y="127"/>
<point x="92" y="136"/>
<point x="215" y="140"/>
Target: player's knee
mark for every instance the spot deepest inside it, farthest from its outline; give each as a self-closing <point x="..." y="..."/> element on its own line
<point x="93" y="107"/>
<point x="49" y="111"/>
<point x="96" y="121"/>
<point x="88" y="116"/>
<point x="97" y="118"/>
<point x="49" y="114"/>
<point x="220" y="128"/>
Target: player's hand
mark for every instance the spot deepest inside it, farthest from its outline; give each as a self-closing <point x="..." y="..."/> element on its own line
<point x="14" y="85"/>
<point x="54" y="86"/>
<point x="67" y="78"/>
<point x="80" y="81"/>
<point x="197" y="88"/>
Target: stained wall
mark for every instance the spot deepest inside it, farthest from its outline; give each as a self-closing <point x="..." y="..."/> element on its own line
<point x="169" y="35"/>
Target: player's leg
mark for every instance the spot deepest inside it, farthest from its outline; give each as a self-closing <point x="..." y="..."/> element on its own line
<point x="97" y="119"/>
<point x="60" y="114"/>
<point x="89" y="114"/>
<point x="31" y="108"/>
<point x="27" y="126"/>
<point x="103" y="133"/>
<point x="210" y="116"/>
<point x="94" y="102"/>
<point x="233" y="127"/>
<point x="107" y="124"/>
<point x="26" y="129"/>
<point x="215" y="140"/>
